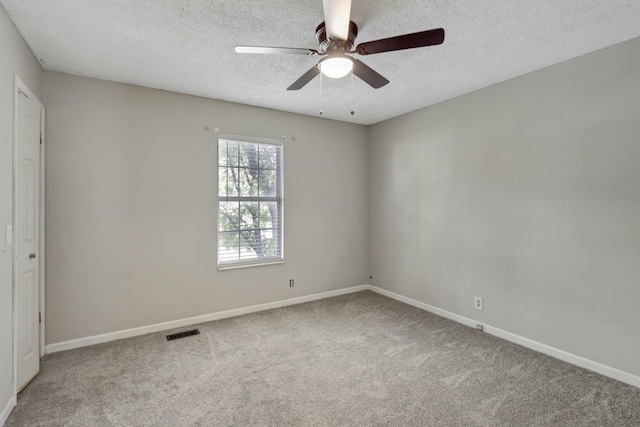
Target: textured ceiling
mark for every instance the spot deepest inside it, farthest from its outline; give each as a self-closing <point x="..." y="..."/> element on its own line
<point x="188" y="46"/>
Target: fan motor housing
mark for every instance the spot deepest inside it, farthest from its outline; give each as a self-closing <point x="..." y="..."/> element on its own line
<point x="338" y="46"/>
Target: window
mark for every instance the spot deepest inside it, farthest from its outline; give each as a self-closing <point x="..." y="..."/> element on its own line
<point x="249" y="201"/>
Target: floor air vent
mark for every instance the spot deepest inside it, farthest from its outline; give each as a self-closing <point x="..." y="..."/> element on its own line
<point x="183" y="334"/>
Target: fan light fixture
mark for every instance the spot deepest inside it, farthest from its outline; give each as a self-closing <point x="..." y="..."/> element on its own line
<point x="336" y="67"/>
<point x="336" y="38"/>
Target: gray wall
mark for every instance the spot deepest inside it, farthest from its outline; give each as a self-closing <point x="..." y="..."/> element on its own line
<point x="526" y="193"/>
<point x="15" y="58"/>
<point x="131" y="198"/>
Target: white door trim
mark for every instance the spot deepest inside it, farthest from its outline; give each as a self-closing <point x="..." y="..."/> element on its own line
<point x="42" y="233"/>
<point x="20" y="86"/>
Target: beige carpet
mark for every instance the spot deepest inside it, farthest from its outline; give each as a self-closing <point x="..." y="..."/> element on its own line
<point x="354" y="360"/>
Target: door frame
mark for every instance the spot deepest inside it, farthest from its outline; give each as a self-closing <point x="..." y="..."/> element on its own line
<point x="20" y="86"/>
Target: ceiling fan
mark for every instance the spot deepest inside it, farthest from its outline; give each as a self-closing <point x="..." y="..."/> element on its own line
<point x="336" y="36"/>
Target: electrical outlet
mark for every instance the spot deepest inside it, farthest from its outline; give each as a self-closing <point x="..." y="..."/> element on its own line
<point x="291" y="283"/>
<point x="477" y="303"/>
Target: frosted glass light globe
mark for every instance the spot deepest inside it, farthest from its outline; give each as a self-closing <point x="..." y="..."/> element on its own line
<point x="336" y="67"/>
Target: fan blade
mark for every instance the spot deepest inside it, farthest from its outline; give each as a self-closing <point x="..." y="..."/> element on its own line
<point x="407" y="41"/>
<point x="368" y="74"/>
<point x="275" y="50"/>
<point x="306" y="78"/>
<point x="337" y="14"/>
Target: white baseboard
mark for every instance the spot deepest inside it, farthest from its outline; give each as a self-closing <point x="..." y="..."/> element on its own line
<point x="582" y="362"/>
<point x="128" y="333"/>
<point x="6" y="411"/>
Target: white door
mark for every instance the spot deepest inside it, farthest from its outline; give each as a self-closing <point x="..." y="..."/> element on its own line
<point x="27" y="238"/>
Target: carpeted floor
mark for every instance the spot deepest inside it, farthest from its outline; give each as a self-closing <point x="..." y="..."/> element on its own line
<point x="355" y="360"/>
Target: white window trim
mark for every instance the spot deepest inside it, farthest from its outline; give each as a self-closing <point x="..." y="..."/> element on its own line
<point x="250" y="263"/>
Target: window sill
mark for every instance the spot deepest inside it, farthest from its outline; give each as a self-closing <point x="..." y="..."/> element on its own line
<point x="248" y="265"/>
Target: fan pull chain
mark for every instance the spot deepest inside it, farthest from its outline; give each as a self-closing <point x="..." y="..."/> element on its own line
<point x="320" y="93"/>
<point x="353" y="97"/>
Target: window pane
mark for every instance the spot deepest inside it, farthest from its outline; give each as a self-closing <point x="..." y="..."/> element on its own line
<point x="270" y="242"/>
<point x="267" y="183"/>
<point x="225" y="187"/>
<point x="249" y="155"/>
<point x="269" y="214"/>
<point x="248" y="182"/>
<point x="268" y="157"/>
<point x="249" y="215"/>
<point x="222" y="153"/>
<point x="250" y="244"/>
<point x="232" y="153"/>
<point x="228" y="246"/>
<point x="228" y="184"/>
<point x="229" y="213"/>
<point x="222" y="181"/>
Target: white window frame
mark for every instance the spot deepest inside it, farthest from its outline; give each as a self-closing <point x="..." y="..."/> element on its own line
<point x="255" y="262"/>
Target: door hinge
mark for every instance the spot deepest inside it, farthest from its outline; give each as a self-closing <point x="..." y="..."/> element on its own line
<point x="39" y="317"/>
<point x="40" y="139"/>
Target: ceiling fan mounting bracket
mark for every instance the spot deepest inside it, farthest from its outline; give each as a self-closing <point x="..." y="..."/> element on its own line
<point x="328" y="46"/>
